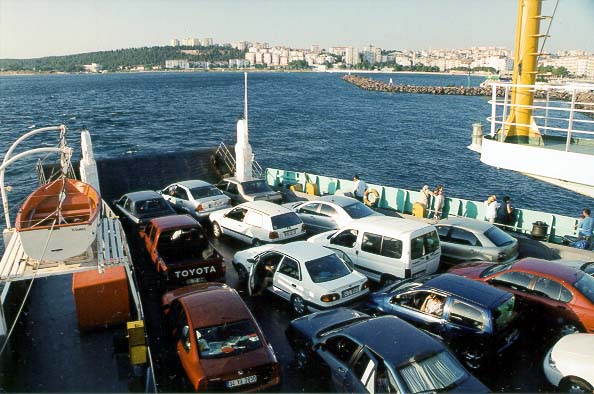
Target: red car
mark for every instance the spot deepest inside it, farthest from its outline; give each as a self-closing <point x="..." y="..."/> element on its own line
<point x="562" y="295"/>
<point x="219" y="343"/>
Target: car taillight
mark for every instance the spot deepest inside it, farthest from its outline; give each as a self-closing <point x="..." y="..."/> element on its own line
<point x="329" y="297"/>
<point x="365" y="285"/>
<point x="501" y="257"/>
<point x="199" y="208"/>
<point x="273" y="235"/>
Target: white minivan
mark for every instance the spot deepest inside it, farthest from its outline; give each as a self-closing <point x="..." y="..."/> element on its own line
<point x="257" y="223"/>
<point x="386" y="248"/>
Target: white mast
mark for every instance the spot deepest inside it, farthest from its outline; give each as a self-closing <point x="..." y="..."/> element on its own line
<point x="243" y="150"/>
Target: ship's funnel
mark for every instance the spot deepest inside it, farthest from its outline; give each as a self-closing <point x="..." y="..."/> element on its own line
<point x="243" y="152"/>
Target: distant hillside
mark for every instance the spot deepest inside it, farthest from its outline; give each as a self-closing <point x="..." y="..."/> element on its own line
<point x="122" y="58"/>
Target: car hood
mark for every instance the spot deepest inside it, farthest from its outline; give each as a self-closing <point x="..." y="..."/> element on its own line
<point x="575" y="348"/>
<point x="469" y="270"/>
<point x="313" y="323"/>
<point x="322" y="238"/>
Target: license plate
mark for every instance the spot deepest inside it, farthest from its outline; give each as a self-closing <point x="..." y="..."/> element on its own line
<point x="291" y="232"/>
<point x="195" y="280"/>
<point x="350" y="292"/>
<point x="241" y="381"/>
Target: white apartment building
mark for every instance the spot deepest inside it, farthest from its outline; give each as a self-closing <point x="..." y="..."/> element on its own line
<point x="251" y="57"/>
<point x="175" y="42"/>
<point x="183" y="64"/>
<point x="206" y="42"/>
<point x="92" y="68"/>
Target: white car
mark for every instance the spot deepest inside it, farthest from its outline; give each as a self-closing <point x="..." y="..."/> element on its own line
<point x="257" y="223"/>
<point x="195" y="197"/>
<point x="330" y="212"/>
<point x="386" y="248"/>
<point x="569" y="364"/>
<point x="309" y="276"/>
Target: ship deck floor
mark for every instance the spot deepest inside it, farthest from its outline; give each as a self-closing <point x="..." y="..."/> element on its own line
<point x="575" y="148"/>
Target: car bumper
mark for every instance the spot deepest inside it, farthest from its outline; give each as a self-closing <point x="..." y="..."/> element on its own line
<point x="553" y="375"/>
<point x="360" y="300"/>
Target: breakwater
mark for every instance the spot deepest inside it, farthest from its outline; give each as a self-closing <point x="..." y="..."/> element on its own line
<point x="374" y="85"/>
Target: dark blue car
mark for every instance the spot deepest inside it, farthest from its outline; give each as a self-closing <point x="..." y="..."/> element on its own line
<point x="474" y="319"/>
<point x="364" y="354"/>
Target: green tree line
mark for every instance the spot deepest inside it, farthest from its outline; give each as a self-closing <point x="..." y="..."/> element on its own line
<point x="121" y="58"/>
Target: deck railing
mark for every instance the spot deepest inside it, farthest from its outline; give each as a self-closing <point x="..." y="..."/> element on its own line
<point x="224" y="154"/>
<point x="556" y="109"/>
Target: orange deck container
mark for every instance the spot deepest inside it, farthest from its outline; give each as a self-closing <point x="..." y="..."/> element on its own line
<point x="101" y="299"/>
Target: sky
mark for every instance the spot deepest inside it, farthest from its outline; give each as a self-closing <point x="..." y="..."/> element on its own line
<point x="36" y="28"/>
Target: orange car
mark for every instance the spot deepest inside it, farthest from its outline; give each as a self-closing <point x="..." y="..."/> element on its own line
<point x="553" y="292"/>
<point x="219" y="343"/>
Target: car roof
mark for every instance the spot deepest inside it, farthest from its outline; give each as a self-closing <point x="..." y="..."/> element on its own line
<point x="192" y="183"/>
<point x="303" y="250"/>
<point x="143" y="195"/>
<point x="387" y="225"/>
<point x="466" y="223"/>
<point x="174" y="221"/>
<point x="204" y="306"/>
<point x="393" y="339"/>
<point x="266" y="207"/>
<point x="341" y="201"/>
<point x="555" y="270"/>
<point x="470" y="290"/>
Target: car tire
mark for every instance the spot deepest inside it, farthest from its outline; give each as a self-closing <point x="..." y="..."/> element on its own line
<point x="575" y="385"/>
<point x="216" y="230"/>
<point x="387" y="280"/>
<point x="472" y="359"/>
<point x="298" y="305"/>
<point x="242" y="274"/>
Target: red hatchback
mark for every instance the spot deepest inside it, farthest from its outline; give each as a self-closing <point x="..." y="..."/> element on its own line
<point x="561" y="295"/>
<point x="218" y="341"/>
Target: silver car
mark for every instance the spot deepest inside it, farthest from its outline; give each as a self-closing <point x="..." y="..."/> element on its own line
<point x="464" y="239"/>
<point x="254" y="189"/>
<point x="330" y="212"/>
<point x="198" y="198"/>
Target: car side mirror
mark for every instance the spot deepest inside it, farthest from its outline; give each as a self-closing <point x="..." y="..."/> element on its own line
<point x="251" y="261"/>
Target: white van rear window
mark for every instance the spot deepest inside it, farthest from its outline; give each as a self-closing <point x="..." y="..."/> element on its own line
<point x="423" y="245"/>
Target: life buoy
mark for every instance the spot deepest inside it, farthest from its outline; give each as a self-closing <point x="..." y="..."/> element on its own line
<point x="371" y="197"/>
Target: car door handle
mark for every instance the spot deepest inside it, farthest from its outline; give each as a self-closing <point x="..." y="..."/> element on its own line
<point x="294" y="285"/>
<point x="341" y="370"/>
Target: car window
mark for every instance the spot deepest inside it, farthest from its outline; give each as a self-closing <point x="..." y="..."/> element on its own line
<point x="391" y="247"/>
<point x="504" y="313"/>
<point x="585" y="285"/>
<point x="127" y="205"/>
<point x="237" y="214"/>
<point x="169" y="190"/>
<point x="285" y="220"/>
<point x="384" y="381"/>
<point x="254" y="219"/>
<point x="463" y="237"/>
<point x="371" y="243"/>
<point x="443" y="231"/>
<point x="364" y="369"/>
<point x="358" y="210"/>
<point x="233" y="189"/>
<point x="271" y="258"/>
<point x="513" y="279"/>
<point x="341" y="347"/>
<point x="346" y="238"/>
<point x="183" y="330"/>
<point x="290" y="268"/>
<point x="227" y="340"/>
<point x="257" y="186"/>
<point x="327" y="210"/>
<point x="180" y="193"/>
<point x="310" y="209"/>
<point x="205" y="191"/>
<point x="566" y="295"/>
<point x="153" y="206"/>
<point x="588" y="268"/>
<point x="423" y="245"/>
<point x="466" y="315"/>
<point x="499" y="237"/>
<point x="435" y="373"/>
<point x="327" y="268"/>
<point x="223" y="185"/>
<point x="547" y="287"/>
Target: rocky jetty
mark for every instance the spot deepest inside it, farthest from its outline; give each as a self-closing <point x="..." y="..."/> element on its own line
<point x="379" y="86"/>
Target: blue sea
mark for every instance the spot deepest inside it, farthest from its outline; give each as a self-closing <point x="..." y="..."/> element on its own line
<point x="311" y="122"/>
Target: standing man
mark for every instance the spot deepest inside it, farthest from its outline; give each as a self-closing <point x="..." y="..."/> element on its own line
<point x="505" y="212"/>
<point x="359" y="189"/>
<point x="586" y="227"/>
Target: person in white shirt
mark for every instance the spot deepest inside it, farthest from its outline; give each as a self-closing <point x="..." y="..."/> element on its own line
<point x="491" y="208"/>
<point x="359" y="189"/>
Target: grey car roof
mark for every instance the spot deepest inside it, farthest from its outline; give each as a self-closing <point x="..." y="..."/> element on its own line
<point x="143" y="195"/>
<point x="466" y="223"/>
<point x="193" y="183"/>
<point x="342" y="201"/>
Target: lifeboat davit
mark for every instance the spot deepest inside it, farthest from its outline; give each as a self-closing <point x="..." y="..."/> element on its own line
<point x="64" y="214"/>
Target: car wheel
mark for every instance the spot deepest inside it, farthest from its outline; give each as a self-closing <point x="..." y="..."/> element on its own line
<point x="257" y="242"/>
<point x="216" y="230"/>
<point x="298" y="305"/>
<point x="575" y="385"/>
<point x="302" y="358"/>
<point x="242" y="274"/>
<point x="472" y="358"/>
<point x="387" y="280"/>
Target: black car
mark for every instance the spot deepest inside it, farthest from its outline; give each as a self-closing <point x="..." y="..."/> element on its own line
<point x="365" y="354"/>
<point x="474" y="319"/>
<point x="138" y="208"/>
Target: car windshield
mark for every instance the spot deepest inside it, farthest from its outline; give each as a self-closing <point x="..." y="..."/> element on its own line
<point x="504" y="313"/>
<point x="495" y="268"/>
<point x="227" y="340"/>
<point x="436" y="372"/>
<point x="358" y="210"/>
<point x="253" y="187"/>
<point x="205" y="191"/>
<point x="585" y="285"/>
<point x="285" y="220"/>
<point x="499" y="237"/>
<point x="327" y="268"/>
<point x="152" y="207"/>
